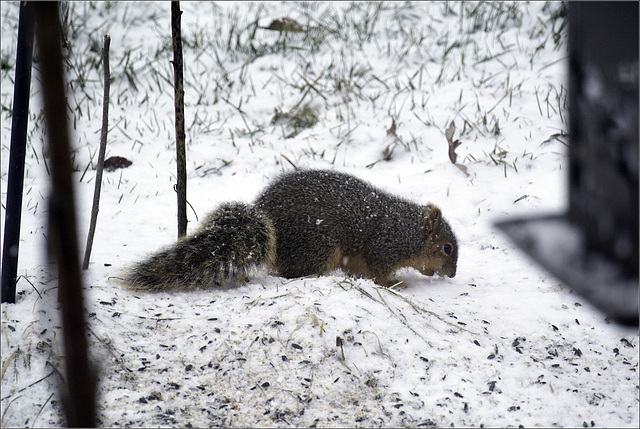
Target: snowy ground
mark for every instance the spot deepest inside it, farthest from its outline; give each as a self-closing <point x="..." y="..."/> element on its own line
<point x="501" y="344"/>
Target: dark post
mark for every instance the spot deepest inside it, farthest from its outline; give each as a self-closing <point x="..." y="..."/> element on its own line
<point x="181" y="187"/>
<point x="24" y="54"/>
<point x="79" y="400"/>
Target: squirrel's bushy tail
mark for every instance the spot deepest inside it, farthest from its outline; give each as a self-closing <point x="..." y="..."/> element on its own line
<point x="233" y="240"/>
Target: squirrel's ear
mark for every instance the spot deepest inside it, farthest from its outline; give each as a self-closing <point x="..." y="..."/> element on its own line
<point x="432" y="216"/>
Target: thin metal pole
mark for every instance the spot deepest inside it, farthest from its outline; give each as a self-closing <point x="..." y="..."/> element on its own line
<point x="15" y="180"/>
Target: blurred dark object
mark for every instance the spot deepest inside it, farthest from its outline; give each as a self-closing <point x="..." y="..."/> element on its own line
<point x="78" y="392"/>
<point x="594" y="247"/>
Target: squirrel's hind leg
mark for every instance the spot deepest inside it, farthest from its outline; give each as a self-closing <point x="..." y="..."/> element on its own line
<point x="317" y="259"/>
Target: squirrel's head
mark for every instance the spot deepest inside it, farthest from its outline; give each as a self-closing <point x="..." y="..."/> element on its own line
<point x="440" y="252"/>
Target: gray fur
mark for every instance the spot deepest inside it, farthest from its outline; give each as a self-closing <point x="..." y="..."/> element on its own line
<point x="306" y="223"/>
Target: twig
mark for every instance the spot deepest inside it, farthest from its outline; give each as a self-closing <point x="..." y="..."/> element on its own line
<point x="178" y="89"/>
<point x="101" y="155"/>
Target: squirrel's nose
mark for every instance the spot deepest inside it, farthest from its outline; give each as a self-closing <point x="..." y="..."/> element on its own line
<point x="447" y="272"/>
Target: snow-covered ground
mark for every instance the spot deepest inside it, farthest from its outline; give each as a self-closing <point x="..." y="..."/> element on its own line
<point x="502" y="344"/>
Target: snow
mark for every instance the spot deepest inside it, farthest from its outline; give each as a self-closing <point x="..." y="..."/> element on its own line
<point x="502" y="344"/>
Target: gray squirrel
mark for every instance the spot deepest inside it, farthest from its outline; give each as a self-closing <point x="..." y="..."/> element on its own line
<point x="306" y="222"/>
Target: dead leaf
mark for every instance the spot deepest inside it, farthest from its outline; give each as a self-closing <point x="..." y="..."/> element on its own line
<point x="453" y="145"/>
<point x="285" y="24"/>
<point x="463" y="169"/>
<point x="448" y="133"/>
<point x="388" y="151"/>
<point x="392" y="129"/>
<point x="116" y="162"/>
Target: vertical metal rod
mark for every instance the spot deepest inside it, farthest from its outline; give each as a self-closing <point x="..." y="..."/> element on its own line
<point x="15" y="182"/>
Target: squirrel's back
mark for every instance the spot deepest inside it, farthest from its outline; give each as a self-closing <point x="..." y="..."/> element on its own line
<point x="306" y="223"/>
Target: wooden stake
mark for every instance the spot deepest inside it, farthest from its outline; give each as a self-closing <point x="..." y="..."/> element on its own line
<point x="181" y="186"/>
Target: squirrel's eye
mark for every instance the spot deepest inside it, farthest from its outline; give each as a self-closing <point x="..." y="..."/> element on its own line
<point x="448" y="249"/>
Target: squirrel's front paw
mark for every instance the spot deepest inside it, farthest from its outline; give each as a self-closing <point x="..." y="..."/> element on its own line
<point x="390" y="283"/>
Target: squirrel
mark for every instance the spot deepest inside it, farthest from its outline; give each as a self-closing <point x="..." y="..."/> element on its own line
<point x="306" y="222"/>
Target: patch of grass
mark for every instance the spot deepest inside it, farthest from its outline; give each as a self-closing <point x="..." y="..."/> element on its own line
<point x="296" y="120"/>
<point x="339" y="56"/>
